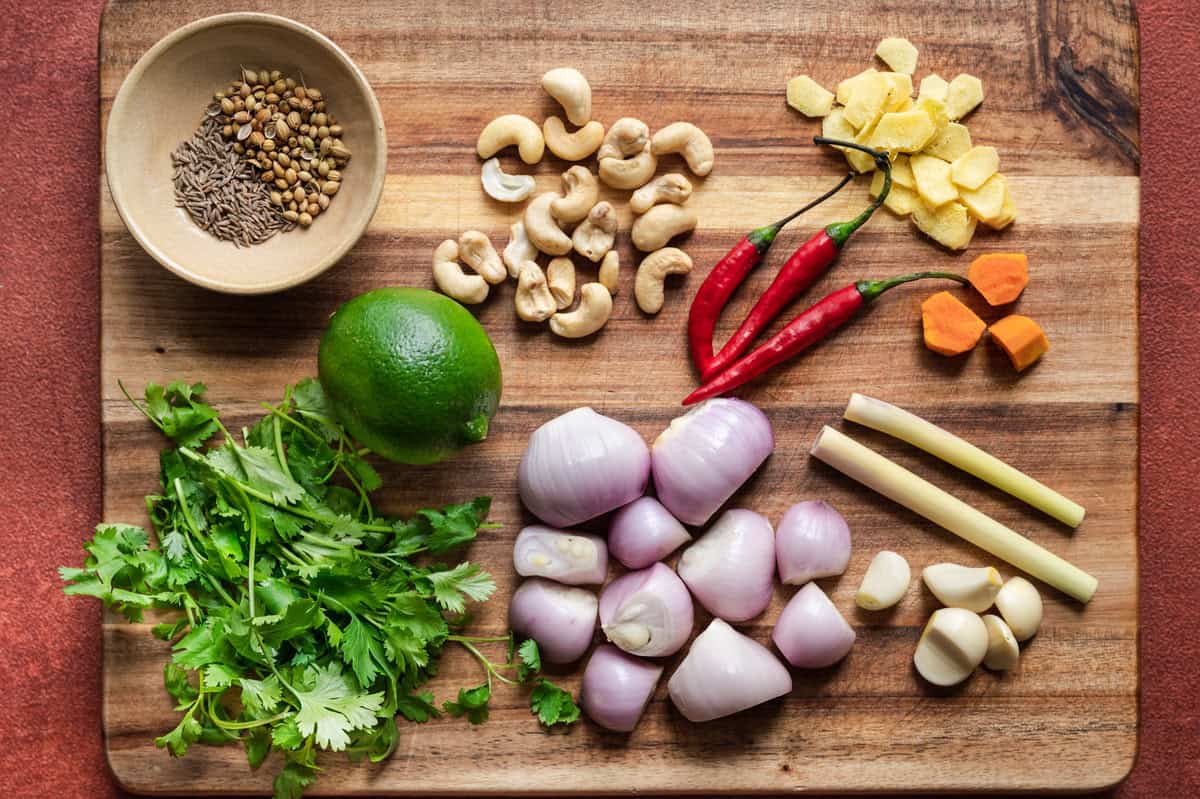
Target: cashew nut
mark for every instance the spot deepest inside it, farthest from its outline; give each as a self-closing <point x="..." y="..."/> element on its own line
<point x="560" y="275"/>
<point x="653" y="229"/>
<point x="610" y="271"/>
<point x="669" y="188"/>
<point x="510" y="129"/>
<point x="541" y="228"/>
<point x="572" y="91"/>
<point x="477" y="252"/>
<point x="582" y="191"/>
<point x="518" y="249"/>
<point x="572" y="146"/>
<point x="452" y="280"/>
<point x="626" y="137"/>
<point x="502" y="186"/>
<point x="688" y="140"/>
<point x="595" y="235"/>
<point x="595" y="306"/>
<point x="648" y="285"/>
<point x="534" y="301"/>
<point x="629" y="173"/>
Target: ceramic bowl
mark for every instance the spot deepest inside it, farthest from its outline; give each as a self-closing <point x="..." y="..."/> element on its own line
<point x="163" y="101"/>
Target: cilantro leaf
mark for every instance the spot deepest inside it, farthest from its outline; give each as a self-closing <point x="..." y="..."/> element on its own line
<point x="464" y="580"/>
<point x="292" y="781"/>
<point x="331" y="709"/>
<point x="472" y="703"/>
<point x="186" y="733"/>
<point x="258" y="745"/>
<point x="417" y="708"/>
<point x="552" y="705"/>
<point x="179" y="413"/>
<point x="286" y="734"/>
<point x="362" y="651"/>
<point x="260" y="697"/>
<point x="454" y="525"/>
<point x="530" y="664"/>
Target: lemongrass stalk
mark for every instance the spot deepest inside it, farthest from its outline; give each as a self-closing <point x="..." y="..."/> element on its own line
<point x="920" y="496"/>
<point x="906" y="426"/>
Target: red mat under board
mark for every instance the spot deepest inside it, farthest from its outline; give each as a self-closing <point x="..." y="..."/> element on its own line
<point x="49" y="419"/>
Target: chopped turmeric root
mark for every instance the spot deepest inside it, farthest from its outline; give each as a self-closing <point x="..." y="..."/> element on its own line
<point x="999" y="276"/>
<point x="951" y="328"/>
<point x="1021" y="338"/>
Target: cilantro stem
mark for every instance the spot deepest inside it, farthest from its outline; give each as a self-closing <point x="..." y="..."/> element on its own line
<point x="279" y="451"/>
<point x="478" y="639"/>
<point x="246" y="725"/>
<point x="489" y="667"/>
<point x="253" y="521"/>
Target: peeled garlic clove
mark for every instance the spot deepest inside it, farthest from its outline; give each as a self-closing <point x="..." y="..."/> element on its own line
<point x="1002" y="651"/>
<point x="953" y="643"/>
<point x="885" y="582"/>
<point x="1021" y="606"/>
<point x="561" y="555"/>
<point x="963" y="587"/>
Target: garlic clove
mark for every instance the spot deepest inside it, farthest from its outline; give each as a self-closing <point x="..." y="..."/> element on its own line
<point x="1021" y="606"/>
<point x="1002" y="651"/>
<point x="952" y="644"/>
<point x="962" y="586"/>
<point x="885" y="582"/>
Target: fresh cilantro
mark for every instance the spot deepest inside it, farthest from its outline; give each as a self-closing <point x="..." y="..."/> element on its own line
<point x="465" y="581"/>
<point x="530" y="660"/>
<point x="472" y="703"/>
<point x="304" y="621"/>
<point x="552" y="705"/>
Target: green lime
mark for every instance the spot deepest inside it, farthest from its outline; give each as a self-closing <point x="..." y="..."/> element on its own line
<point x="411" y="373"/>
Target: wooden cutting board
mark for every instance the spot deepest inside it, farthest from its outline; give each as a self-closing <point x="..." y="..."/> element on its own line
<point x="1061" y="106"/>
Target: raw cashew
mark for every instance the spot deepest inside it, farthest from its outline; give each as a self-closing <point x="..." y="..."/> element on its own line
<point x="629" y="173"/>
<point x="626" y="137"/>
<point x="582" y="191"/>
<point x="502" y="186"/>
<point x="688" y="140"/>
<point x="560" y="275"/>
<point x="653" y="229"/>
<point x="595" y="306"/>
<point x="595" y="235"/>
<point x="610" y="271"/>
<point x="534" y="301"/>
<point x="477" y="252"/>
<point x="510" y="129"/>
<point x="452" y="280"/>
<point x="541" y="228"/>
<point x="572" y="146"/>
<point x="572" y="91"/>
<point x="518" y="249"/>
<point x="648" y="285"/>
<point x="669" y="188"/>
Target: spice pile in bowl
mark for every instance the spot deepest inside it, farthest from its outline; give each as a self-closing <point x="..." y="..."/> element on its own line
<point x="267" y="157"/>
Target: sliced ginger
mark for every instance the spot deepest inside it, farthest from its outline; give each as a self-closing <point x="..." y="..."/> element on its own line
<point x="951" y="328"/>
<point x="949" y="184"/>
<point x="1021" y="339"/>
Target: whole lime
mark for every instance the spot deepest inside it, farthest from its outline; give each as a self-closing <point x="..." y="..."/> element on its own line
<point x="410" y="373"/>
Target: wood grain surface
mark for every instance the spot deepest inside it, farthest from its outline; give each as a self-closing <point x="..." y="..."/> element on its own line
<point x="1061" y="106"/>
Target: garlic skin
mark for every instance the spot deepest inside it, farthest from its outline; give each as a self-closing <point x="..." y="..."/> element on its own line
<point x="885" y="582"/>
<point x="1021" y="606"/>
<point x="564" y="556"/>
<point x="952" y="644"/>
<point x="962" y="586"/>
<point x="1002" y="652"/>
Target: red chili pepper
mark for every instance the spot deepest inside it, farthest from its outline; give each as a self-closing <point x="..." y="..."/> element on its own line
<point x="805" y="330"/>
<point x="728" y="274"/>
<point x="806" y="265"/>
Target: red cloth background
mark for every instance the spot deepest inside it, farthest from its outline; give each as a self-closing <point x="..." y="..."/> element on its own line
<point x="49" y="412"/>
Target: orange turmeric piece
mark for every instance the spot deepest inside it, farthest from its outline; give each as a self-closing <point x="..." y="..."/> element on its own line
<point x="1021" y="338"/>
<point x="951" y="328"/>
<point x="999" y="276"/>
